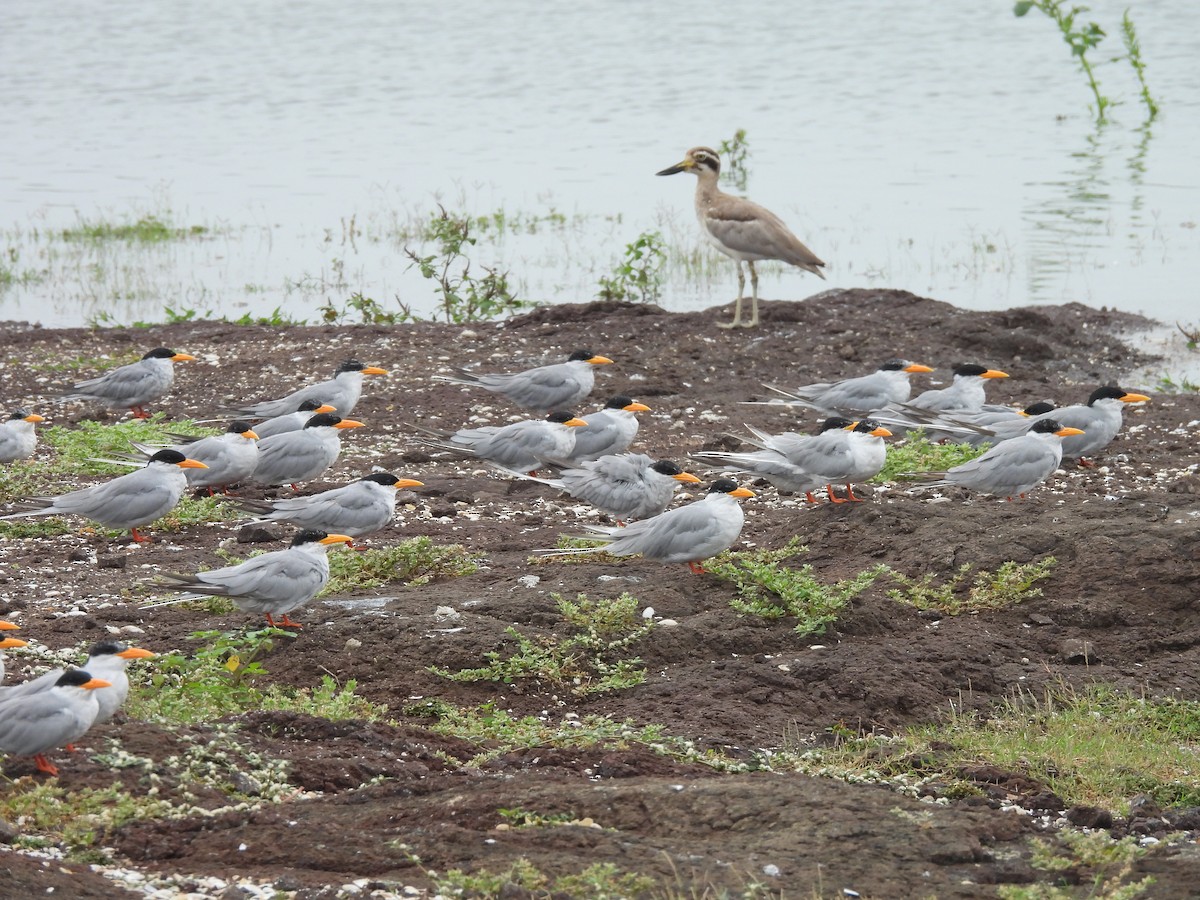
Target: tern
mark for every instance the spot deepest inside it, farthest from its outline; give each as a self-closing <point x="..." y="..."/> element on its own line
<point x="544" y="389"/>
<point x="341" y="392"/>
<point x="18" y="439"/>
<point x="29" y="726"/>
<point x="128" y="501"/>
<point x="132" y="386"/>
<point x="272" y="584"/>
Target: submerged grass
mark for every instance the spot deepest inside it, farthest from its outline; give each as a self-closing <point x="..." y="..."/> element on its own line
<point x="147" y="229"/>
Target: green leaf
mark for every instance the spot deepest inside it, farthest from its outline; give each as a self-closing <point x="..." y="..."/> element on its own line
<point x="1022" y="7"/>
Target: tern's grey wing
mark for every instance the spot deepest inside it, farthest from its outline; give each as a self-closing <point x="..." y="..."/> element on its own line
<point x="605" y="433"/>
<point x="294" y="456"/>
<point x="862" y="394"/>
<point x="280" y="424"/>
<point x="131" y="385"/>
<point x="827" y="456"/>
<point x="38" y="722"/>
<point x="546" y="388"/>
<point x="42" y="683"/>
<point x="129" y="500"/>
<point x="1012" y="467"/>
<point x="271" y="581"/>
<point x="354" y="509"/>
<point x="230" y="459"/>
<point x="775" y="467"/>
<point x="691" y="532"/>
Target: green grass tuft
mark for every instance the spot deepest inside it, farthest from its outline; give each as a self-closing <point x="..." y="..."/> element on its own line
<point x="771" y="590"/>
<point x="586" y="662"/>
<point x="918" y="454"/>
<point x="415" y="561"/>
<point x="1010" y="584"/>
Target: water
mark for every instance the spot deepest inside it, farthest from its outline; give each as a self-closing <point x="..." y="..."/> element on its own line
<point x="944" y="148"/>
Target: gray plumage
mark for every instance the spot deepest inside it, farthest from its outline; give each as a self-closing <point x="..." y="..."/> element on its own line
<point x="29" y="726"/>
<point x="296" y="456"/>
<point x="107" y="660"/>
<point x="128" y="501"/>
<point x="357" y="509"/>
<point x="890" y="383"/>
<point x="1011" y="468"/>
<point x="18" y="439"/>
<point x="522" y="446"/>
<point x="1099" y="419"/>
<point x="627" y="486"/>
<point x="273" y="584"/>
<point x="685" y="534"/>
<point x="543" y="389"/>
<point x="134" y="385"/>
<point x="609" y="430"/>
<point x="341" y="392"/>
<point x="231" y="457"/>
<point x="292" y="421"/>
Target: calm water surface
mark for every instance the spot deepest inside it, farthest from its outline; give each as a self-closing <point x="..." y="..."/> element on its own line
<point x="945" y="148"/>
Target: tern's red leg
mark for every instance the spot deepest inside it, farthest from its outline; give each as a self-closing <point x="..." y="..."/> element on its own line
<point x="850" y="494"/>
<point x="697" y="568"/>
<point x="1086" y="463"/>
<point x="140" y="538"/>
<point x="71" y="748"/>
<point x="271" y="621"/>
<point x="285" y="622"/>
<point x="833" y="498"/>
<point x="809" y="496"/>
<point x="44" y="765"/>
<point x="139" y="412"/>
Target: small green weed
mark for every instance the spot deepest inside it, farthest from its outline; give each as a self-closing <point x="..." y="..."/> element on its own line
<point x="365" y="310"/>
<point x="465" y="297"/>
<point x="1083" y="37"/>
<point x="639" y="277"/>
<point x="146" y="230"/>
<point x="76" y="818"/>
<point x="223" y="678"/>
<point x="1010" y="584"/>
<point x="523" y="818"/>
<point x="769" y="589"/>
<point x="1093" y="859"/>
<point x="568" y="542"/>
<point x="1168" y="385"/>
<point x="600" y="881"/>
<point x="735" y="152"/>
<point x="586" y="662"/>
<point x="918" y="454"/>
<point x="415" y="561"/>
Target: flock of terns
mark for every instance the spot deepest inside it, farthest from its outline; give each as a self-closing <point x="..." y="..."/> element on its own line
<point x="297" y="437"/>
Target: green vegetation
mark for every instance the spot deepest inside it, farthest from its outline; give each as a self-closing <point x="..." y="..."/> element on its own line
<point x="77" y="818"/>
<point x="639" y="277"/>
<point x="1133" y="53"/>
<point x="365" y="310"/>
<point x="77" y="451"/>
<point x="1168" y="385"/>
<point x="1010" y="584"/>
<point x="1083" y="37"/>
<point x="524" y="818"/>
<point x="1095" y="861"/>
<point x="464" y="297"/>
<point x="919" y="454"/>
<point x="223" y="677"/>
<point x="496" y="732"/>
<point x="1095" y="747"/>
<point x="600" y="881"/>
<point x="11" y="271"/>
<point x="415" y="561"/>
<point x="586" y="662"/>
<point x="769" y="589"/>
<point x="735" y="159"/>
<point x="148" y="229"/>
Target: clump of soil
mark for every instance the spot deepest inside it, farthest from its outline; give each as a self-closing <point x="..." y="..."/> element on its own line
<point x="369" y="797"/>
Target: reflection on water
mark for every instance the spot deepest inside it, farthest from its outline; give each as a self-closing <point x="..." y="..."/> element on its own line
<point x="309" y="141"/>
